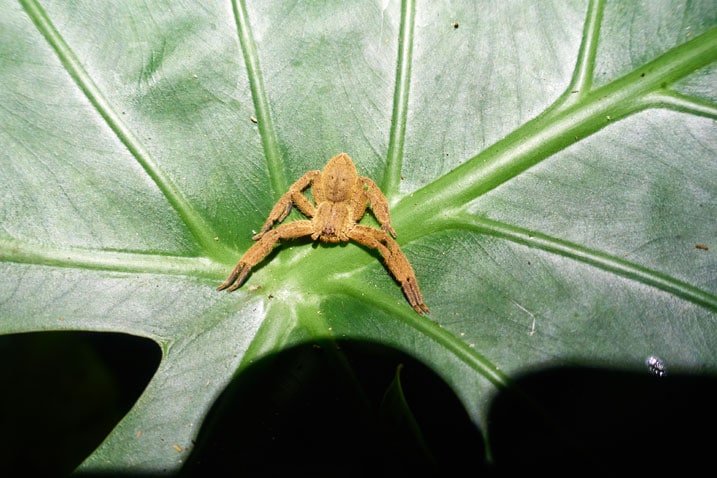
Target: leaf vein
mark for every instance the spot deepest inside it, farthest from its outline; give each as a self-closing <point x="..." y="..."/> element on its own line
<point x="195" y="223"/>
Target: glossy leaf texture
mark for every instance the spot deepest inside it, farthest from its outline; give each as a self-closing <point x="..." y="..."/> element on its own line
<point x="550" y="167"/>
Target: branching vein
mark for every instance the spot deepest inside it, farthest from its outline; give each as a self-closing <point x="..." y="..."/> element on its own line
<point x="195" y="223"/>
<point x="394" y="160"/>
<point x="261" y="102"/>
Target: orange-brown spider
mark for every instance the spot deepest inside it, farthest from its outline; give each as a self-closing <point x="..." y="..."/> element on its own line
<point x="341" y="197"/>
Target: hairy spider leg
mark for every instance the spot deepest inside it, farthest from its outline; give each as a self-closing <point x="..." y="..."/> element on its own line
<point x="359" y="203"/>
<point x="262" y="248"/>
<point x="294" y="196"/>
<point x="379" y="205"/>
<point x="395" y="261"/>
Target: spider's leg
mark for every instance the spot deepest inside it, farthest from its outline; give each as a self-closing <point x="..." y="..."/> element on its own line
<point x="395" y="261"/>
<point x="379" y="205"/>
<point x="261" y="249"/>
<point x="282" y="208"/>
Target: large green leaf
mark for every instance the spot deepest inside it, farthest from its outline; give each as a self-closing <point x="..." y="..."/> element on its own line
<point x="550" y="166"/>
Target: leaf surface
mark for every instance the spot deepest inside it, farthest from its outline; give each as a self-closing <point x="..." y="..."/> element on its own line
<point x="551" y="171"/>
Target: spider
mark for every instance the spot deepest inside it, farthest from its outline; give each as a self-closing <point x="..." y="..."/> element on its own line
<point x="341" y="197"/>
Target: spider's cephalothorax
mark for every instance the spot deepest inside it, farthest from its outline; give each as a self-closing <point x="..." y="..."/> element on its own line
<point x="341" y="198"/>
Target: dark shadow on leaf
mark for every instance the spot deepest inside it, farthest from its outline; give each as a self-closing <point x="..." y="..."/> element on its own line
<point x="584" y="419"/>
<point x="336" y="409"/>
<point x="63" y="392"/>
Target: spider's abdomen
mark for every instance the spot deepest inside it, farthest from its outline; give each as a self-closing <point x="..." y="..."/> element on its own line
<point x="333" y="222"/>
